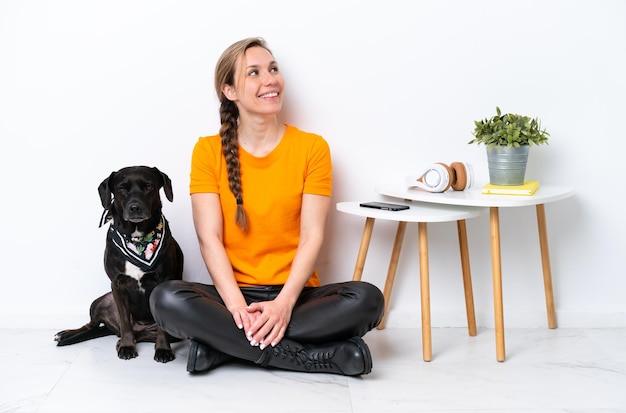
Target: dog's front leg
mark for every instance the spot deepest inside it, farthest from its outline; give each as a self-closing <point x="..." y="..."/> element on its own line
<point x="162" y="350"/>
<point x="126" y="345"/>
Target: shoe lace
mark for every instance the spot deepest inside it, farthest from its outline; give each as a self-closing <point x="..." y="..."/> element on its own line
<point x="300" y="356"/>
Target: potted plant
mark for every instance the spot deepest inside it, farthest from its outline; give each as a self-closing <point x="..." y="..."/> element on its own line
<point x="508" y="138"/>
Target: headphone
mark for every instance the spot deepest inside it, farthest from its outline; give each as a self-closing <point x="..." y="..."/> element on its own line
<point x="440" y="177"/>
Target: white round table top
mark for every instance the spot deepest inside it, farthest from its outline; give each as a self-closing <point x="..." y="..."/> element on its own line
<point x="418" y="212"/>
<point x="474" y="197"/>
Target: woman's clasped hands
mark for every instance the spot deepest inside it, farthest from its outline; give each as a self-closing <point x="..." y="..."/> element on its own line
<point x="264" y="322"/>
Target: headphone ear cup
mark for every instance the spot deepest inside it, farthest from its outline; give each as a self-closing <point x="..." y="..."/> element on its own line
<point x="446" y="178"/>
<point x="436" y="178"/>
<point x="459" y="177"/>
<point x="462" y="176"/>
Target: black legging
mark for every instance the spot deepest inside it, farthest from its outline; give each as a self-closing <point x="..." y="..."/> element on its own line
<point x="330" y="313"/>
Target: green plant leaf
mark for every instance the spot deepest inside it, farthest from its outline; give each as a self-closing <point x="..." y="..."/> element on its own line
<point x="509" y="129"/>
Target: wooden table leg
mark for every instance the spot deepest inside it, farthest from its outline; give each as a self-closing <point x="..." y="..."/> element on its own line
<point x="467" y="278"/>
<point x="365" y="244"/>
<point x="496" y="268"/>
<point x="545" y="262"/>
<point x="427" y="349"/>
<point x="391" y="272"/>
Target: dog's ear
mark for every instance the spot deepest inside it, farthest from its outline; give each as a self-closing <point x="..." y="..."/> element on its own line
<point x="167" y="185"/>
<point x="105" y="191"/>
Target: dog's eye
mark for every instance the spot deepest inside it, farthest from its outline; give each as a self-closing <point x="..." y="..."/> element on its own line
<point x="122" y="190"/>
<point x="149" y="187"/>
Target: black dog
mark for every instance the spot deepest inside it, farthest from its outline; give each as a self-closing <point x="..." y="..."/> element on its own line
<point x="140" y="253"/>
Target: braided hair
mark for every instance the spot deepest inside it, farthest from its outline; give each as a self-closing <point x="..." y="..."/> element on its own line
<point x="229" y="117"/>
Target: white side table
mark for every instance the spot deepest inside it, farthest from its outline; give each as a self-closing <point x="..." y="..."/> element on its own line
<point x="422" y="214"/>
<point x="474" y="197"/>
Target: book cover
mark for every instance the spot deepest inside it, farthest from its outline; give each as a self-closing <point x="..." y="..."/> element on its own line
<point x="527" y="188"/>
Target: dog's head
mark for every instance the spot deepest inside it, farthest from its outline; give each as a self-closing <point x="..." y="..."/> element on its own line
<point x="132" y="193"/>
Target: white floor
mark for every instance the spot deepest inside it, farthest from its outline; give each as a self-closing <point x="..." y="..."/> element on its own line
<point x="548" y="371"/>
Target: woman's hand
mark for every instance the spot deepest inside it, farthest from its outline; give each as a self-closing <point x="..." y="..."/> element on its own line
<point x="242" y="318"/>
<point x="269" y="321"/>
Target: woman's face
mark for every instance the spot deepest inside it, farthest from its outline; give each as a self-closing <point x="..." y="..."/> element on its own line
<point x="258" y="83"/>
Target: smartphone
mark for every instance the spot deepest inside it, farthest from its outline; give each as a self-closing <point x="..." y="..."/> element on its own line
<point x="384" y="206"/>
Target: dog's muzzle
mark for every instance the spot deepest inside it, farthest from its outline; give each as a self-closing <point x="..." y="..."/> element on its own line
<point x="136" y="212"/>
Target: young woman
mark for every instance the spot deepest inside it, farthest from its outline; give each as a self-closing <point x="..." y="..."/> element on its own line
<point x="260" y="193"/>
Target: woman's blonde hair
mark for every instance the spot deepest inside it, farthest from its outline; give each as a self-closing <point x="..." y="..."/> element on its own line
<point x="229" y="116"/>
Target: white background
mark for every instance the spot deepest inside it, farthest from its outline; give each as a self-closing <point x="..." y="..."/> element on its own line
<point x="89" y="87"/>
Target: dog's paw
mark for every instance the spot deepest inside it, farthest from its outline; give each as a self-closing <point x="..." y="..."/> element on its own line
<point x="62" y="338"/>
<point x="126" y="352"/>
<point x="164" y="355"/>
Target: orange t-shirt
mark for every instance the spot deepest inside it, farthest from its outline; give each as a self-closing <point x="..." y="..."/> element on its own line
<point x="272" y="197"/>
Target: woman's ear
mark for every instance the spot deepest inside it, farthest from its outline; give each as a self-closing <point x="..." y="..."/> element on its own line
<point x="229" y="92"/>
